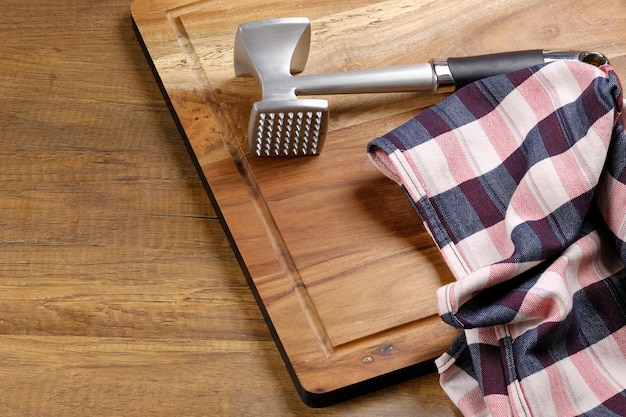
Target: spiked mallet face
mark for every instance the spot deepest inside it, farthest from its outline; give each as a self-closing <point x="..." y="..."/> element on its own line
<point x="283" y="125"/>
<point x="288" y="127"/>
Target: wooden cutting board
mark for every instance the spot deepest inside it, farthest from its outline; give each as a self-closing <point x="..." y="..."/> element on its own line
<point x="341" y="266"/>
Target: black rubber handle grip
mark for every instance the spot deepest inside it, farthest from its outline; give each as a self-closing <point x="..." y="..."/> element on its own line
<point x="469" y="69"/>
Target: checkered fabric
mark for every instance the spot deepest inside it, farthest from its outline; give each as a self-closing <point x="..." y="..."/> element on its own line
<point x="520" y="179"/>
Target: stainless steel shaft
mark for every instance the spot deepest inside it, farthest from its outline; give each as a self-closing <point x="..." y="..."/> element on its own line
<point x="419" y="77"/>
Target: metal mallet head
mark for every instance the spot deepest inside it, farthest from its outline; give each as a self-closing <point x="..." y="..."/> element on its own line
<point x="280" y="124"/>
<point x="283" y="125"/>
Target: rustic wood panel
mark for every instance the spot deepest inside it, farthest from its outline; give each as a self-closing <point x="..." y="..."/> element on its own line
<point x="120" y="292"/>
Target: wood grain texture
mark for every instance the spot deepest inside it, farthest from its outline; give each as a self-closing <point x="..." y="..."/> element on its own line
<point x="336" y="254"/>
<point x="339" y="259"/>
<point x="119" y="292"/>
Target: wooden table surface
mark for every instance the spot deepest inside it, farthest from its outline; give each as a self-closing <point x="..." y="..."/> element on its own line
<point x="119" y="292"/>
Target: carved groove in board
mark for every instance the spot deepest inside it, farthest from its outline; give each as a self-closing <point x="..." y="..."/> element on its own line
<point x="279" y="245"/>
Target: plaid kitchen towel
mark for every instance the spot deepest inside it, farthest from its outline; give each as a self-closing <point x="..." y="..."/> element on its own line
<point x="520" y="179"/>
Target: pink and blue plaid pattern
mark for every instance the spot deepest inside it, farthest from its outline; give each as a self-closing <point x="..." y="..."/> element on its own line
<point x="521" y="180"/>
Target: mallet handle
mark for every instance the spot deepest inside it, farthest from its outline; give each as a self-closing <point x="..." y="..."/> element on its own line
<point x="436" y="76"/>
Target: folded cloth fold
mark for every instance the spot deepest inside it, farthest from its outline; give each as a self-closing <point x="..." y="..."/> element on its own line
<point x="520" y="179"/>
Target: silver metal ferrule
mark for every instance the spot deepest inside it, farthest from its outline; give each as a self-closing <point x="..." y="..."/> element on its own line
<point x="444" y="82"/>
